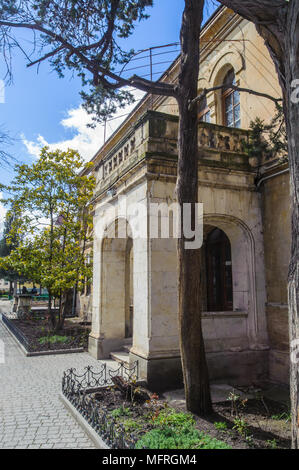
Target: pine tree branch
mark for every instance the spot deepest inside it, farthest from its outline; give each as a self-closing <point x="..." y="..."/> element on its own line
<point x="99" y="73"/>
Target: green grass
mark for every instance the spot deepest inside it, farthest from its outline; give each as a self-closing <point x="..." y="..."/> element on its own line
<point x="283" y="416"/>
<point x="53" y="339"/>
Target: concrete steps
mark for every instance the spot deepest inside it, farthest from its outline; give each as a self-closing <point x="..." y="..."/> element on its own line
<point x="123" y="354"/>
<point x="120" y="356"/>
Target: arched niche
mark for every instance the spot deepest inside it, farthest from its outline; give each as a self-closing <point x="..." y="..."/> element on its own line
<point x="243" y="265"/>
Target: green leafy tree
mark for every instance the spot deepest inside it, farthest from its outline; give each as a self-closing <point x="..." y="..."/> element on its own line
<point x="268" y="140"/>
<point x="7" y="244"/>
<point x="53" y="224"/>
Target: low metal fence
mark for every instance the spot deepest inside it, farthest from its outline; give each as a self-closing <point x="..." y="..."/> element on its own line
<point x="78" y="389"/>
<point x="17" y="333"/>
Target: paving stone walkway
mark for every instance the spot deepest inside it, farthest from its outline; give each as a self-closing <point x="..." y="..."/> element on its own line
<point x="31" y="414"/>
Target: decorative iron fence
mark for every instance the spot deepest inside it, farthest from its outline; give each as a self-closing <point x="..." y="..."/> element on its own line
<point x="78" y="389"/>
<point x="17" y="333"/>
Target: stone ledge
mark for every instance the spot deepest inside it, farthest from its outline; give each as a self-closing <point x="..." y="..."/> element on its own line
<point x="223" y="314"/>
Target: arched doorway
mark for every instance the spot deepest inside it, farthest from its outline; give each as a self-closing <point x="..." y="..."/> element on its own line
<point x="116" y="288"/>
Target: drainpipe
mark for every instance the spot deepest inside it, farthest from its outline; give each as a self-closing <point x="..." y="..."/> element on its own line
<point x="271" y="176"/>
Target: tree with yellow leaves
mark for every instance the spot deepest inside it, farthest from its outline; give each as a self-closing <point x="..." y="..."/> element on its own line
<point x="52" y="222"/>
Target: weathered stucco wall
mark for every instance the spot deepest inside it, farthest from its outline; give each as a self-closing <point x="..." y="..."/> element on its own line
<point x="277" y="240"/>
<point x="230" y="203"/>
<point x="237" y="46"/>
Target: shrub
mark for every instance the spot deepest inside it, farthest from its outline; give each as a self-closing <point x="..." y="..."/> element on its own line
<point x="240" y="426"/>
<point x="122" y="411"/>
<point x="176" y="430"/>
<point x="271" y="444"/>
<point x="131" y="425"/>
<point x="171" y="418"/>
<point x="220" y="426"/>
<point x="181" y="438"/>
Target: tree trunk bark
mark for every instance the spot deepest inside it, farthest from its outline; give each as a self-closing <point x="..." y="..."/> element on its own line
<point x="65" y="309"/>
<point x="292" y="122"/>
<point x="195" y="372"/>
<point x="277" y="21"/>
<point x="51" y="313"/>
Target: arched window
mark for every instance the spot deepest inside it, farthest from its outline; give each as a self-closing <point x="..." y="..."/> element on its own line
<point x="231" y="102"/>
<point x="204" y="113"/>
<point x="219" y="272"/>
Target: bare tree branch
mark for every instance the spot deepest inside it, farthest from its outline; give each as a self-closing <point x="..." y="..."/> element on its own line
<point x="47" y="56"/>
<point x="236" y="88"/>
<point x="6" y="140"/>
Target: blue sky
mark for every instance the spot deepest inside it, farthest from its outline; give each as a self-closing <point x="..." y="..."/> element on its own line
<point x="41" y="108"/>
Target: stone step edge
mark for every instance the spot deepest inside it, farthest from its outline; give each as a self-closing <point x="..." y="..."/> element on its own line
<point x="115" y="356"/>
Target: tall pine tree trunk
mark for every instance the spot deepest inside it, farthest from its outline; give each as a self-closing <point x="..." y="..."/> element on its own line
<point x="277" y="21"/>
<point x="292" y="120"/>
<point x="194" y="365"/>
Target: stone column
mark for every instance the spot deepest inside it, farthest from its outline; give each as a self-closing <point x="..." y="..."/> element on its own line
<point x="155" y="341"/>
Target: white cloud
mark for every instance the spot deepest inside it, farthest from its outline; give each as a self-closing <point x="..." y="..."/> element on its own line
<point x="86" y="140"/>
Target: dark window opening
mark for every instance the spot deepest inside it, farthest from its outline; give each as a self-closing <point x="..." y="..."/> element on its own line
<point x="219" y="272"/>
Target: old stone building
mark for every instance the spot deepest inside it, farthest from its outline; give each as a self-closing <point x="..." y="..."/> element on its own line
<point x="246" y="225"/>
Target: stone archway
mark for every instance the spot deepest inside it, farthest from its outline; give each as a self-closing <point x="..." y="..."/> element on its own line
<point x="113" y="325"/>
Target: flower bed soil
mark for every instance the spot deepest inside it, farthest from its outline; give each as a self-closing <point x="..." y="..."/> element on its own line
<point x="266" y="421"/>
<point x="36" y="328"/>
<point x="265" y="428"/>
